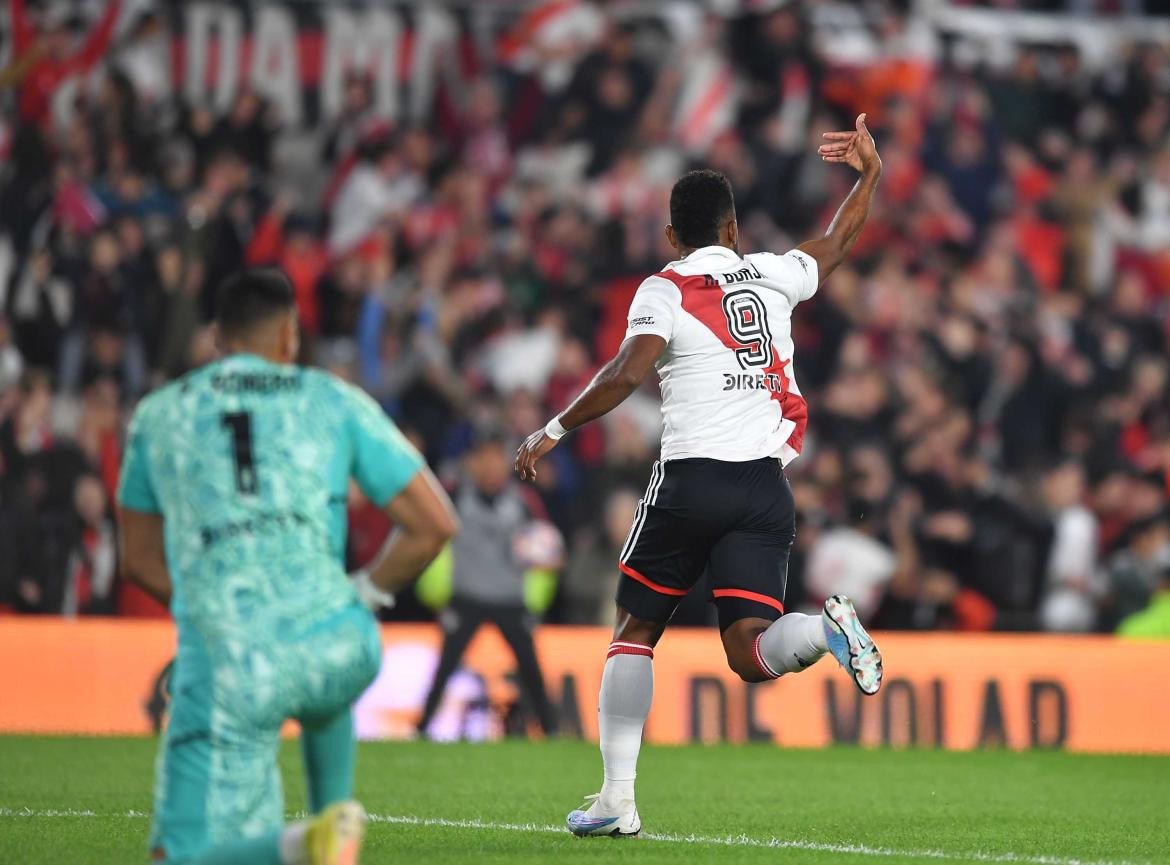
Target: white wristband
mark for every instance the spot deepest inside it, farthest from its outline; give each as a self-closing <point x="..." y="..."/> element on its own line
<point x="369" y="594"/>
<point x="554" y="430"/>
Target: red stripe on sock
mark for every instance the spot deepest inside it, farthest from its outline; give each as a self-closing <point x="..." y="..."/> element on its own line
<point x="749" y="596"/>
<point x="620" y="648"/>
<point x="648" y="583"/>
<point x="759" y="658"/>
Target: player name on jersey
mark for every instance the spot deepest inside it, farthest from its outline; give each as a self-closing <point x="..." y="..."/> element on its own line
<point x="747" y="274"/>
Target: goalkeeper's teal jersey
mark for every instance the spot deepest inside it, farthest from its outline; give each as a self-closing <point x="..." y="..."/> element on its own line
<point x="249" y="463"/>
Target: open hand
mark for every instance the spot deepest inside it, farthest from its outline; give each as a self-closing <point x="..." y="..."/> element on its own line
<point x="533" y="448"/>
<point x="856" y="149"/>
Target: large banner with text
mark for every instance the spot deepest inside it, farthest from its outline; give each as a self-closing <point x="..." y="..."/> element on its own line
<point x="941" y="690"/>
<point x="299" y="55"/>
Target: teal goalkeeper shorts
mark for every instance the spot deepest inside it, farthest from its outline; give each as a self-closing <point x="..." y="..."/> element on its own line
<point x="217" y="778"/>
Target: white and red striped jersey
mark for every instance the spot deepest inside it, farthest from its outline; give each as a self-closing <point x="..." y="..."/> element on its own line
<point x="728" y="390"/>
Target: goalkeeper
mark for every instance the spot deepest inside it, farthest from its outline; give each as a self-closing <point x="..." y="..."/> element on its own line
<point x="232" y="511"/>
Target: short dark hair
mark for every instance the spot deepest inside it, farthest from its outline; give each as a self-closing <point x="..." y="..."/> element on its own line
<point x="700" y="202"/>
<point x="252" y="297"/>
<point x="487" y="435"/>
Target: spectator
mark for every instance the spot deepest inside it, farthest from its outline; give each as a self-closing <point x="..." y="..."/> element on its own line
<point x="591" y="579"/>
<point x="1154" y="621"/>
<point x="1071" y="588"/>
<point x="287" y="239"/>
<point x="1134" y="570"/>
<point x="858" y="559"/>
<point x="987" y="376"/>
<point x="44" y="56"/>
<point x="605" y="97"/>
<point x="487" y="577"/>
<point x="379" y="187"/>
<point x="41" y="305"/>
<point x="11" y="364"/>
<point x="90" y="572"/>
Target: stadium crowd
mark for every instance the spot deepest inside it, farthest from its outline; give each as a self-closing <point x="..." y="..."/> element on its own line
<point x="989" y="440"/>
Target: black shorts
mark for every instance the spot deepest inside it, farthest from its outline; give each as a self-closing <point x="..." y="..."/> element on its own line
<point x="736" y="521"/>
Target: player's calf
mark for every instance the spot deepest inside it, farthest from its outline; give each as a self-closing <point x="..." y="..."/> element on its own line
<point x="758" y="650"/>
<point x="627" y="687"/>
<point x="739" y="645"/>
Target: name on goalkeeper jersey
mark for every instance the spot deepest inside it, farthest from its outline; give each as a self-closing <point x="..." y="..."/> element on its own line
<point x="255" y="382"/>
<point x="273" y="522"/>
<point x="753" y="381"/>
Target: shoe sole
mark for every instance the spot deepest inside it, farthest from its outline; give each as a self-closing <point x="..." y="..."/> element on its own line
<point x="616" y="833"/>
<point x="843" y="618"/>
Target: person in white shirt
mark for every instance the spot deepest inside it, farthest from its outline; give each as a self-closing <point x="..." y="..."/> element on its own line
<point x="717" y="325"/>
<point x="1073" y="582"/>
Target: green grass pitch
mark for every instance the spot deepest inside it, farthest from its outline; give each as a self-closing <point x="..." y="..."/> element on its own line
<point x="84" y="802"/>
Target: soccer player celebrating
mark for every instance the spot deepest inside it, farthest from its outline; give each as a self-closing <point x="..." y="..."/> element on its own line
<point x="232" y="510"/>
<point x="718" y="327"/>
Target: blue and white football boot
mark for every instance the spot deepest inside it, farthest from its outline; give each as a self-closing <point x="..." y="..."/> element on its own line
<point x="853" y="648"/>
<point x="618" y="821"/>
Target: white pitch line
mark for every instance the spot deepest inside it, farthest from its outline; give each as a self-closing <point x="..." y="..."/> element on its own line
<point x="773" y="843"/>
<point x="710" y="840"/>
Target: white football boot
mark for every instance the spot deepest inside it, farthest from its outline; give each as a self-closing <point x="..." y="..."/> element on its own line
<point x="615" y="821"/>
<point x="853" y="648"/>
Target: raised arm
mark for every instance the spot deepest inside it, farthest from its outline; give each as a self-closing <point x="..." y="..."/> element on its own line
<point x="857" y="150"/>
<point x="22" y="31"/>
<point x="613" y="383"/>
<point x="99" y="40"/>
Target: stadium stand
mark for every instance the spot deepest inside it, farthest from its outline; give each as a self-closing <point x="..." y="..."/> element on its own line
<point x="989" y="441"/>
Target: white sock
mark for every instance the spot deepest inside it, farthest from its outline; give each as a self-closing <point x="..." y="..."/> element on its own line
<point x="627" y="687"/>
<point x="292" y="844"/>
<point x="792" y="642"/>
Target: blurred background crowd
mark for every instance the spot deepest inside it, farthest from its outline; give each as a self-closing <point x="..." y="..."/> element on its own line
<point x="989" y="442"/>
